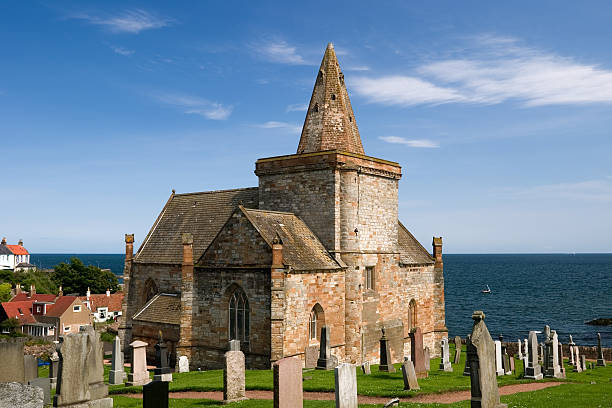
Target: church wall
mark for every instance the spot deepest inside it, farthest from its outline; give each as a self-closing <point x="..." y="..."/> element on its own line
<point x="377" y="212"/>
<point x="167" y="279"/>
<point x="149" y="333"/>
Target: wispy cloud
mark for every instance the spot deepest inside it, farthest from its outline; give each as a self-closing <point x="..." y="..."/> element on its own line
<point x="598" y="190"/>
<point x="278" y="51"/>
<point x="290" y="127"/>
<point x="129" y="21"/>
<point x="500" y="70"/>
<point x="412" y="143"/>
<point x="122" y="51"/>
<point x="196" y="105"/>
<point x="297" y="107"/>
<point x="357" y="68"/>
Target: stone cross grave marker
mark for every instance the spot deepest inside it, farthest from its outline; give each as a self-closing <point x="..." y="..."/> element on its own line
<point x="233" y="377"/>
<point x="445" y="364"/>
<point x="386" y="364"/>
<point x="499" y="370"/>
<point x="346" y="386"/>
<point x="417" y="352"/>
<point x="427" y="359"/>
<point x="533" y="370"/>
<point x="138" y="374"/>
<point x="457" y="350"/>
<point x="162" y="370"/>
<point x="409" y="376"/>
<point x="601" y="361"/>
<point x="482" y="356"/>
<point x="116" y="375"/>
<point x="365" y="368"/>
<point x="325" y="362"/>
<point x="155" y="395"/>
<point x="11" y="355"/>
<point x="288" y="383"/>
<point x="183" y="364"/>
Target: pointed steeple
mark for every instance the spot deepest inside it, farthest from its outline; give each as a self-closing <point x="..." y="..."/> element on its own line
<point x="330" y="123"/>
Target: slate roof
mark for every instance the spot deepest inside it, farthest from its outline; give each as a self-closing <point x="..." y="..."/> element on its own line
<point x="301" y="248"/>
<point x="162" y="308"/>
<point x="411" y="251"/>
<point x="201" y="214"/>
<point x="4" y="250"/>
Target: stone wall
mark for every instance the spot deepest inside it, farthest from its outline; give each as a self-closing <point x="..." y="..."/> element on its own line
<point x="149" y="333"/>
<point x="167" y="279"/>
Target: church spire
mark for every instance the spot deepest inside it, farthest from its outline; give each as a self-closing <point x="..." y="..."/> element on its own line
<point x="330" y="123"/>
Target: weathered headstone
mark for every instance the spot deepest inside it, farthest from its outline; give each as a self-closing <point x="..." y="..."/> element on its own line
<point x="552" y="368"/>
<point x="571" y="345"/>
<point x="365" y="368"/>
<point x="53" y="368"/>
<point x="138" y="374"/>
<point x="346" y="386"/>
<point x="600" y="357"/>
<point x="445" y="364"/>
<point x="417" y="353"/>
<point x="183" y="364"/>
<point x="288" y="383"/>
<point x="45" y="385"/>
<point x="481" y="353"/>
<point x="426" y="359"/>
<point x="499" y="369"/>
<point x="540" y="353"/>
<point x="578" y="365"/>
<point x="386" y="364"/>
<point x="561" y="362"/>
<point x="457" y="350"/>
<point x="512" y="364"/>
<point x="520" y="352"/>
<point x="162" y="370"/>
<point x="14" y="394"/>
<point x="583" y="362"/>
<point x="11" y="355"/>
<point x="325" y="362"/>
<point x="30" y="367"/>
<point x="234" y="345"/>
<point x="233" y="377"/>
<point x="526" y="349"/>
<point x="155" y="395"/>
<point x="410" y="379"/>
<point x="116" y="375"/>
<point x="466" y="368"/>
<point x="533" y="370"/>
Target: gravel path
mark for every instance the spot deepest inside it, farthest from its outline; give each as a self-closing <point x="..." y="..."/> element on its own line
<point x="445" y="398"/>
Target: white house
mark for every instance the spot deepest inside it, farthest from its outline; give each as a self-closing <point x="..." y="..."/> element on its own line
<point x="103" y="306"/>
<point x="14" y="256"/>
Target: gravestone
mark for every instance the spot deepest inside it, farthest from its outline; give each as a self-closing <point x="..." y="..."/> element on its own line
<point x="525" y="349"/>
<point x="311" y="354"/>
<point x="30" y="367"/>
<point x="426" y="359"/>
<point x="417" y="352"/>
<point x="365" y="368"/>
<point x="457" y="350"/>
<point x="346" y="386"/>
<point x="233" y="377"/>
<point x="512" y="364"/>
<point x="600" y="357"/>
<point x="445" y="364"/>
<point x="540" y="353"/>
<point x="481" y="353"/>
<point x="183" y="364"/>
<point x="571" y="345"/>
<point x="466" y="368"/>
<point x="499" y="369"/>
<point x="561" y="362"/>
<point x="138" y="366"/>
<point x="116" y="375"/>
<point x="14" y="394"/>
<point x="234" y="345"/>
<point x="11" y="355"/>
<point x="325" y="362"/>
<point x="578" y="365"/>
<point x="520" y="352"/>
<point x="386" y="364"/>
<point x="54" y="367"/>
<point x="45" y="385"/>
<point x="410" y="379"/>
<point x="155" y="395"/>
<point x="583" y="362"/>
<point x="506" y="363"/>
<point x="288" y="383"/>
<point x="533" y="370"/>
<point x="552" y="369"/>
<point x="162" y="370"/>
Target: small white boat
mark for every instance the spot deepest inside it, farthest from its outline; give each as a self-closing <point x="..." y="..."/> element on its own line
<point x="487" y="290"/>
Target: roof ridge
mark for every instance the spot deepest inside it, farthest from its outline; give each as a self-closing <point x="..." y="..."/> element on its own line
<point x="269" y="211"/>
<point x="216" y="191"/>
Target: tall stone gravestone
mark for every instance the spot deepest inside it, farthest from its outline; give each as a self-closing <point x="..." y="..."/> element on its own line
<point x="155" y="395"/>
<point x="481" y="353"/>
<point x="577" y="365"/>
<point x="520" y="352"/>
<point x="233" y="377"/>
<point x="386" y="364"/>
<point x="571" y="344"/>
<point x="138" y="371"/>
<point x="417" y="352"/>
<point x="583" y="362"/>
<point x="457" y="350"/>
<point x="30" y="367"/>
<point x="116" y="375"/>
<point x="533" y="370"/>
<point x="526" y="349"/>
<point x="53" y="368"/>
<point x="466" y="368"/>
<point x="162" y="370"/>
<point x="499" y="369"/>
<point x="346" y="386"/>
<point x="427" y="358"/>
<point x="552" y="368"/>
<point x="561" y="362"/>
<point x="288" y="383"/>
<point x="325" y="361"/>
<point x="410" y="379"/>
<point x="11" y="355"/>
<point x="601" y="361"/>
<point x="445" y="364"/>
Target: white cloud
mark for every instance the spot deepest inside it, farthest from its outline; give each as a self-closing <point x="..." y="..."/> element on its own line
<point x="122" y="51"/>
<point x="297" y="107"/>
<point x="129" y="21"/>
<point x="412" y="143"/>
<point x="278" y="51"/>
<point x="197" y="106"/>
<point x="292" y="128"/>
<point x="357" y="68"/>
<point x="598" y="190"/>
<point x="499" y="70"/>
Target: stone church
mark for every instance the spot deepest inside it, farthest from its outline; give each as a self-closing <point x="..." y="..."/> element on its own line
<point x="317" y="243"/>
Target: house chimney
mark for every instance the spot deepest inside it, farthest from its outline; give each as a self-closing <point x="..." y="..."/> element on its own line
<point x="129" y="247"/>
<point x="3" y="240"/>
<point x="18" y="288"/>
<point x="88" y="293"/>
<point x="107" y="292"/>
<point x="20" y="243"/>
<point x="188" y="250"/>
<point x="60" y="292"/>
<point x="437" y="251"/>
<point x="277" y="252"/>
<point x="32" y="290"/>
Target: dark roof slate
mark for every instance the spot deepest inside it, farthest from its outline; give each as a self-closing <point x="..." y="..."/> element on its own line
<point x="201" y="214"/>
<point x="411" y="251"/>
<point x="162" y="308"/>
<point x="5" y="251"/>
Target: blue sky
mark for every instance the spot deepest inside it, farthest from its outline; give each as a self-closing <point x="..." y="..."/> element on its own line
<point x="500" y="114"/>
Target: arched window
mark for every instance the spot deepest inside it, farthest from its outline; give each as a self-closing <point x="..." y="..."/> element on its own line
<point x="316" y="321"/>
<point x="412" y="314"/>
<point x="150" y="289"/>
<point x="239" y="317"/>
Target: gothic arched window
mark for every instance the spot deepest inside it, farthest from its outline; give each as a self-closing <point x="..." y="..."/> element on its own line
<point x="412" y="314"/>
<point x="316" y="321"/>
<point x="239" y="317"/>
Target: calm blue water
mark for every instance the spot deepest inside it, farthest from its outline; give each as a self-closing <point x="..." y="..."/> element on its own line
<point x="528" y="292"/>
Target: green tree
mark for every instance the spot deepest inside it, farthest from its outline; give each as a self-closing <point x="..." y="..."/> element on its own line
<point x="76" y="277"/>
<point x="5" y="292"/>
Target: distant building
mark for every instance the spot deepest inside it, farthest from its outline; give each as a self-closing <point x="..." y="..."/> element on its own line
<point x="14" y="257"/>
<point x="103" y="306"/>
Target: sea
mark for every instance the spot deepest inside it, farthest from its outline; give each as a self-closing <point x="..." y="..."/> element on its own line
<point x="528" y="291"/>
